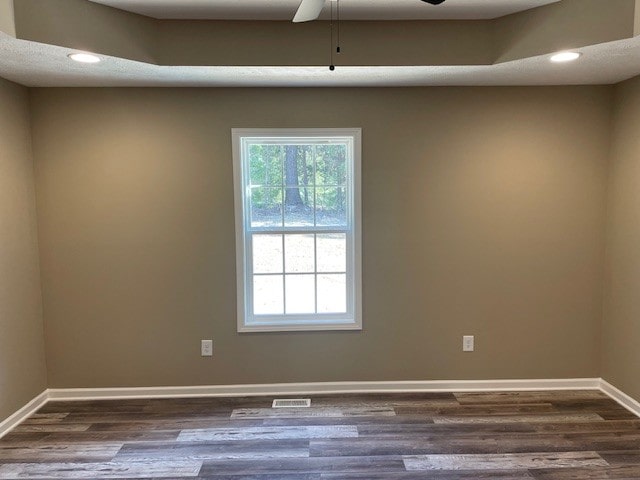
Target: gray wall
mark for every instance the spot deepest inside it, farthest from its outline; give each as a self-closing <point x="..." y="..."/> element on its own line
<point x="22" y="363"/>
<point x="621" y="326"/>
<point x="483" y="213"/>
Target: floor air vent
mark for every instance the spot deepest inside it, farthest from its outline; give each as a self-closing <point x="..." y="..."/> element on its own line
<point x="291" y="403"/>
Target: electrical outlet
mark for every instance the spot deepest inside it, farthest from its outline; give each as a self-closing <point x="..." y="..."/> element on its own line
<point x="206" y="348"/>
<point x="468" y="343"/>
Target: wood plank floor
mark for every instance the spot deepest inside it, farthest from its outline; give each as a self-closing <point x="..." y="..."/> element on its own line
<point x="574" y="435"/>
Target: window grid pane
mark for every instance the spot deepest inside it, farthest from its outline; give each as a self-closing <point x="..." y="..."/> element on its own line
<point x="299" y="253"/>
<point x="268" y="294"/>
<point x="267" y="254"/>
<point x="331" y="206"/>
<point x="332" y="160"/>
<point x="266" y="207"/>
<point x="273" y="165"/>
<point x="331" y="253"/>
<point x="300" y="294"/>
<point x="332" y="293"/>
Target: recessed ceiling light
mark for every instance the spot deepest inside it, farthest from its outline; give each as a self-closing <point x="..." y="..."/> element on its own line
<point x="562" y="57"/>
<point x="84" y="58"/>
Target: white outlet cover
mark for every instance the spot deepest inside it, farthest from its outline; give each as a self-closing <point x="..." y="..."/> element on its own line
<point x="468" y="343"/>
<point x="206" y="348"/>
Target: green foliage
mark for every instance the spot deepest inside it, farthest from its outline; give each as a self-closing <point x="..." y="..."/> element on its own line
<point x="320" y="167"/>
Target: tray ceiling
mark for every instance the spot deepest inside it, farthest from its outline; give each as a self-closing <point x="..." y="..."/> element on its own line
<point x="350" y="9"/>
<point x="139" y="51"/>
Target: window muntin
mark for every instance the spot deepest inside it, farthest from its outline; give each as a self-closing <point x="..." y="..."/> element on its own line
<point x="298" y="232"/>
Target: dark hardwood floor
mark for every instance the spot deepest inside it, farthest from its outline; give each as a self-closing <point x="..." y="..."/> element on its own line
<point x="574" y="435"/>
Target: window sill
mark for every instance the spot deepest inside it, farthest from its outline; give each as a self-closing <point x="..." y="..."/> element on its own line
<point x="300" y="327"/>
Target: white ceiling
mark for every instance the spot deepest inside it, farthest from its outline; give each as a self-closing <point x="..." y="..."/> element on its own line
<point x="350" y="9"/>
<point x="41" y="65"/>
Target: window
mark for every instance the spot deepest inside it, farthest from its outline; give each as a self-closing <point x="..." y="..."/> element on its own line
<point x="298" y="229"/>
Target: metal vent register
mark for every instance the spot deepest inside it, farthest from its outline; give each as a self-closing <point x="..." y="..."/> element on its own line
<point x="291" y="403"/>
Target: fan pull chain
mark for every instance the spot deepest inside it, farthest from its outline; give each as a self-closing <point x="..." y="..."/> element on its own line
<point x="338" y="10"/>
<point x="332" y="67"/>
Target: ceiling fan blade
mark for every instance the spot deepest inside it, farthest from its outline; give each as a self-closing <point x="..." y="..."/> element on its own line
<point x="434" y="2"/>
<point x="308" y="10"/>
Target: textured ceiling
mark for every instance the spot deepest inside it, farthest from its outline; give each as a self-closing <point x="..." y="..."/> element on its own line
<point x="40" y="65"/>
<point x="350" y="9"/>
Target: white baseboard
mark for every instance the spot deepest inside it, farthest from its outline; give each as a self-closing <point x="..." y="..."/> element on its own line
<point x="322" y="388"/>
<point x="71" y="394"/>
<point x="619" y="396"/>
<point x="8" y="424"/>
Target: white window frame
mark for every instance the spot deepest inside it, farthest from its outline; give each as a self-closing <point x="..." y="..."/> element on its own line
<point x="247" y="322"/>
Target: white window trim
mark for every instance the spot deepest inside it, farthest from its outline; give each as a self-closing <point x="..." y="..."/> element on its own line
<point x="334" y="323"/>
